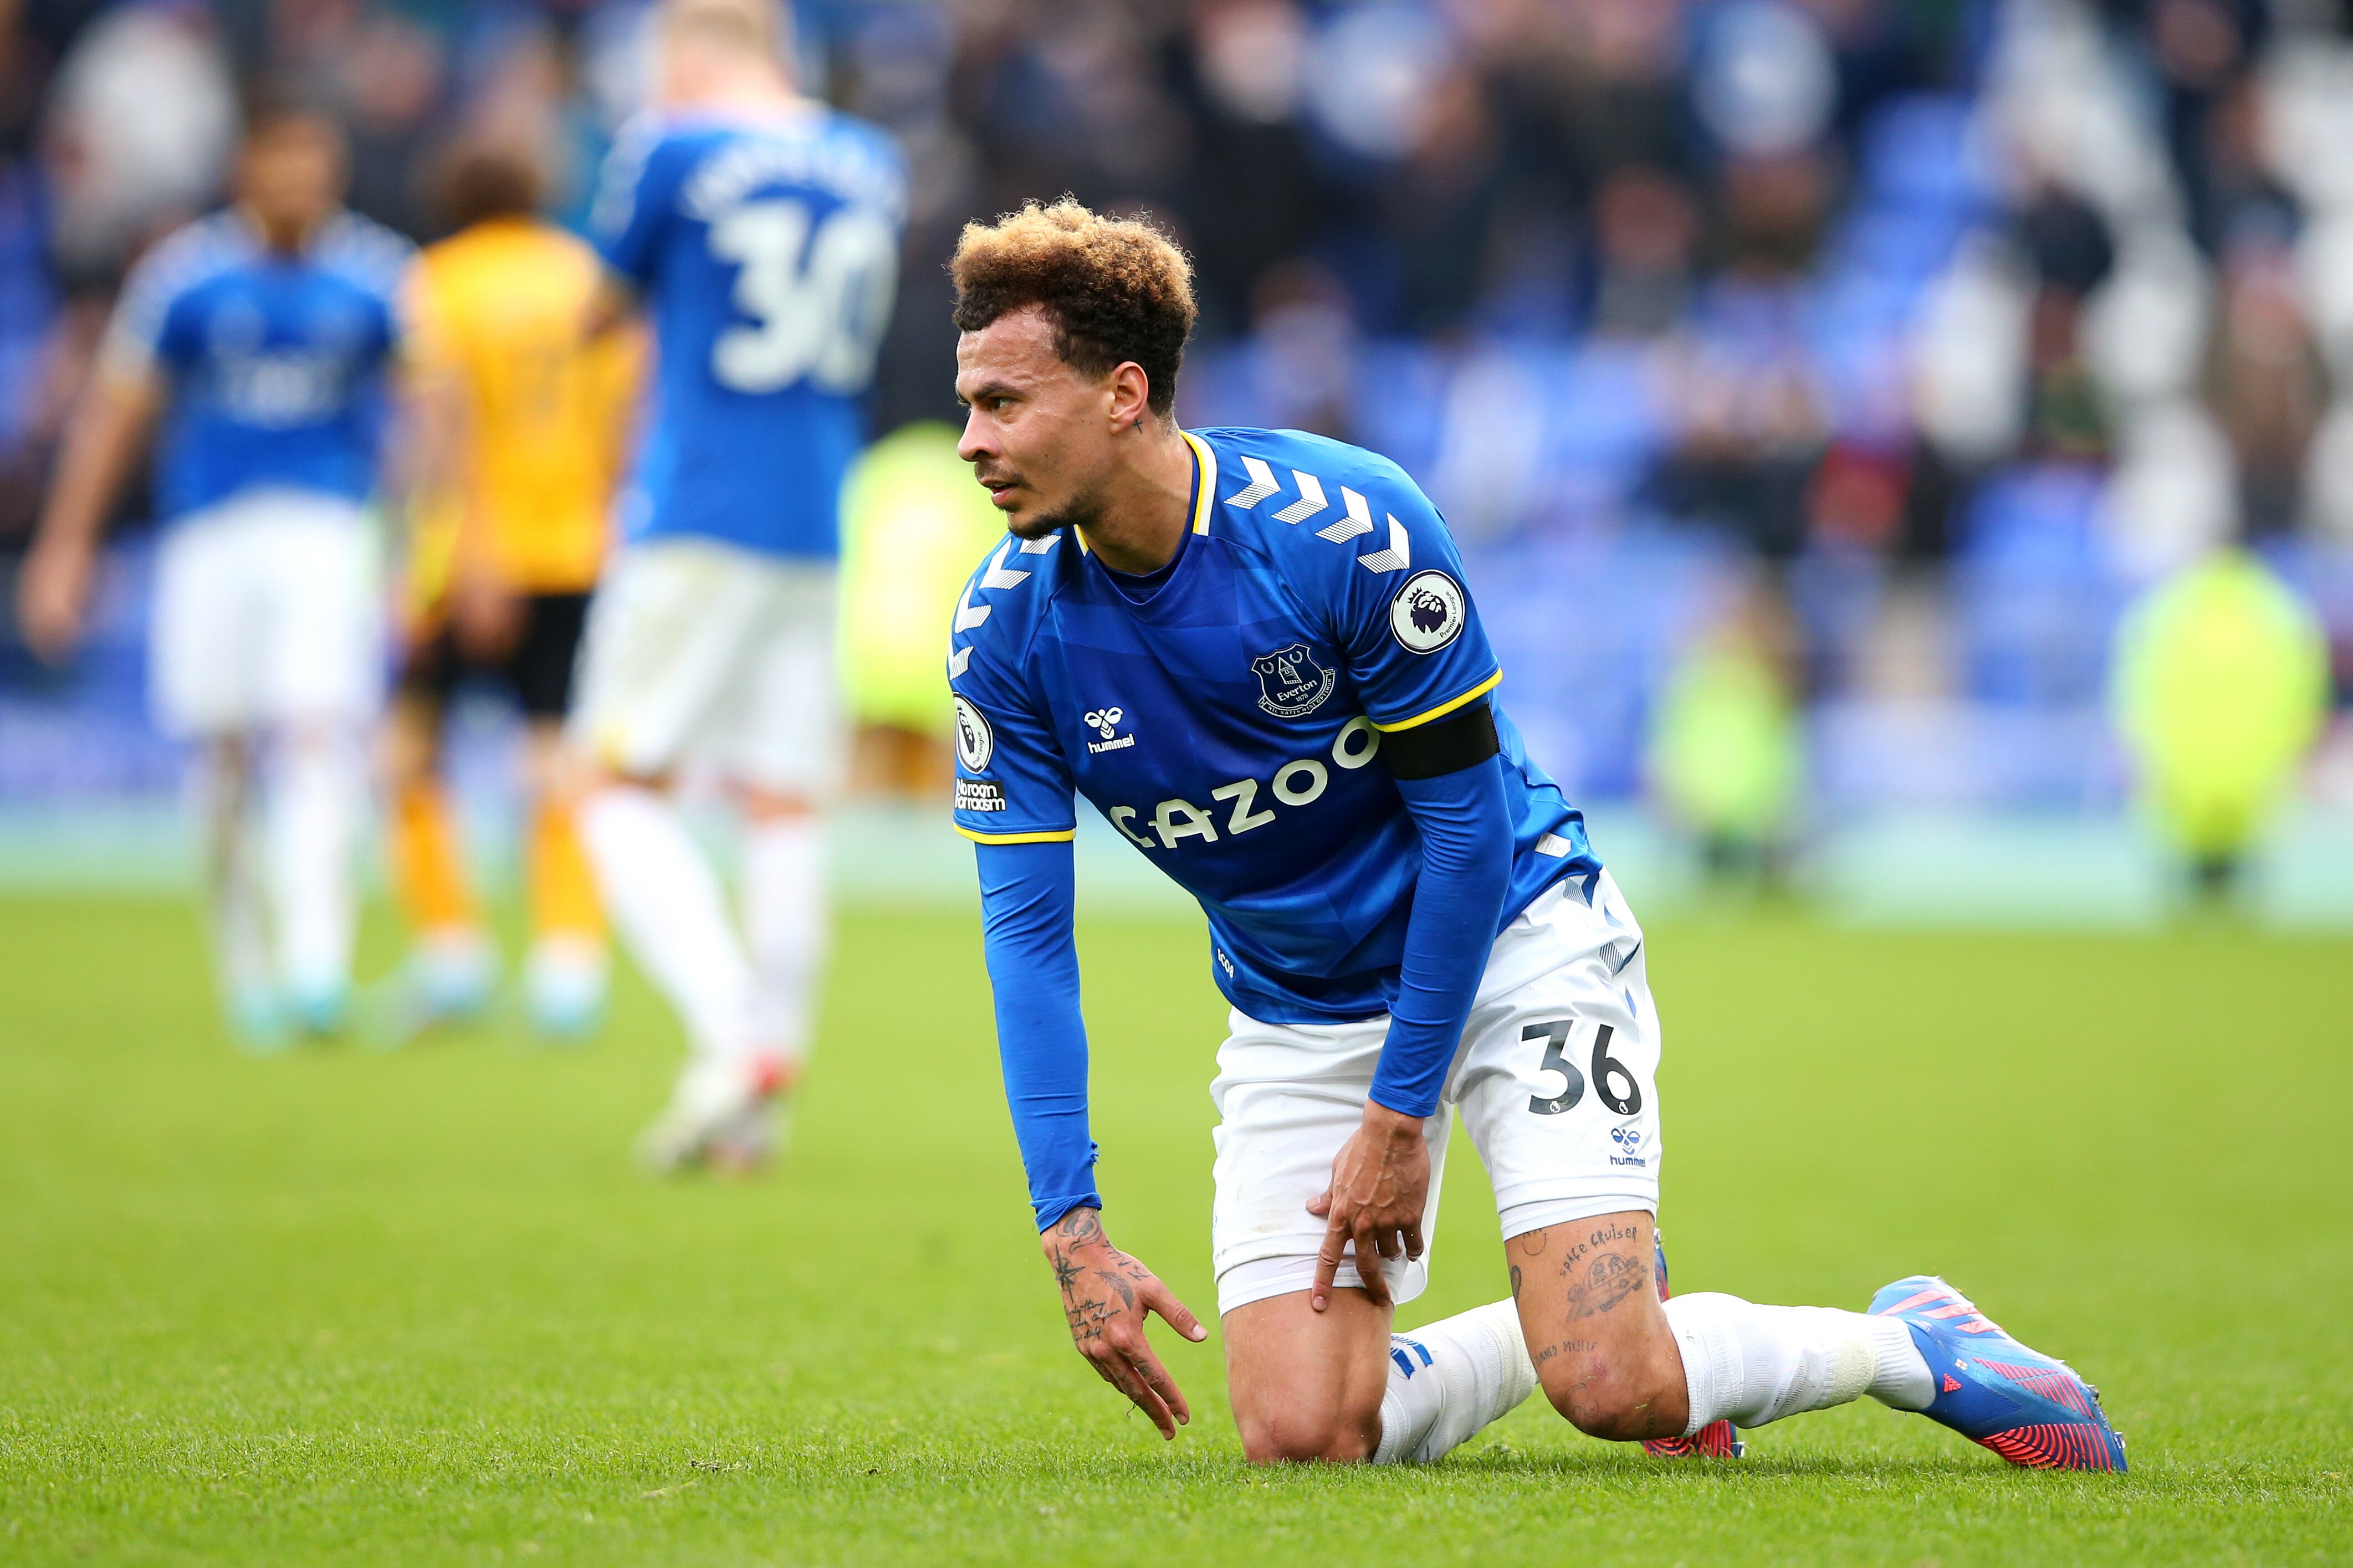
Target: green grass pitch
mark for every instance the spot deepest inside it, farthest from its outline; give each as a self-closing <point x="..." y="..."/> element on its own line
<point x="417" y="1307"/>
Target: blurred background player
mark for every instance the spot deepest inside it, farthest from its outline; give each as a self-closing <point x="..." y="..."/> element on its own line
<point x="912" y="520"/>
<point x="521" y="429"/>
<point x="761" y="231"/>
<point x="2220" y="687"/>
<point x="263" y="335"/>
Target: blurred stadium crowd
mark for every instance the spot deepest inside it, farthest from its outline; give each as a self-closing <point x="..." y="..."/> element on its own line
<point x="1858" y="360"/>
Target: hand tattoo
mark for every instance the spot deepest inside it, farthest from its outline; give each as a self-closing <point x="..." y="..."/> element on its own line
<point x="1086" y="1318"/>
<point x="1088" y="1311"/>
<point x="1065" y="1271"/>
<point x="1126" y="1294"/>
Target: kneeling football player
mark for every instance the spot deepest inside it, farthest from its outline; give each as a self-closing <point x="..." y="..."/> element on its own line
<point x="1254" y="651"/>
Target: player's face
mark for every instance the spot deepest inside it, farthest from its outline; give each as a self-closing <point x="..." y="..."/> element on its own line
<point x="1039" y="433"/>
<point x="291" y="174"/>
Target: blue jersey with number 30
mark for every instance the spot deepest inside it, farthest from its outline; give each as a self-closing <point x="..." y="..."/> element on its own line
<point x="1228" y="713"/>
<point x="766" y="250"/>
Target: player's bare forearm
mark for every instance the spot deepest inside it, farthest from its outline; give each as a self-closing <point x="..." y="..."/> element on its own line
<point x="100" y="448"/>
<point x="1380" y="1182"/>
<point x="1106" y="1296"/>
<point x="423" y="463"/>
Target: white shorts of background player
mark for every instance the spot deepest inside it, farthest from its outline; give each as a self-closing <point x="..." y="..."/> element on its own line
<point x="266" y="613"/>
<point x="698" y="653"/>
<point x="1558" y="1146"/>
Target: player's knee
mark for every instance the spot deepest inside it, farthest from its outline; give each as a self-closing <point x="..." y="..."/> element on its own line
<point x="1291" y="1436"/>
<point x="230" y="756"/>
<point x="411" y="755"/>
<point x="1602" y="1399"/>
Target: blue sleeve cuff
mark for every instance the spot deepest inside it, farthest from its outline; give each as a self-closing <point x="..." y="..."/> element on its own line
<point x="1050" y="1210"/>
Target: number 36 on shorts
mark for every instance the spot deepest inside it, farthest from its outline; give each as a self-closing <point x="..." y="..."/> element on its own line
<point x="1560" y="1041"/>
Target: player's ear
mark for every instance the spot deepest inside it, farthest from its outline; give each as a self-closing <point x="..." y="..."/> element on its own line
<point x="1131" y="397"/>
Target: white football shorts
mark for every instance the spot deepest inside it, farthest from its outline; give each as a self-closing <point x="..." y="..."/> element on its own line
<point x="1556" y="1078"/>
<point x="699" y="652"/>
<point x="266" y="612"/>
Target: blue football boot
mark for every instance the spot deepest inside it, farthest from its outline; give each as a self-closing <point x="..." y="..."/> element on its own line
<point x="2025" y="1407"/>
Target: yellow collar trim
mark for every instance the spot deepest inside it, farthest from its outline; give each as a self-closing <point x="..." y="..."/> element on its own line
<point x="1206" y="465"/>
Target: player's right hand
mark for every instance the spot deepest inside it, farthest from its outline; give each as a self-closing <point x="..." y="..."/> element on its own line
<point x="53" y="598"/>
<point x="1106" y="1296"/>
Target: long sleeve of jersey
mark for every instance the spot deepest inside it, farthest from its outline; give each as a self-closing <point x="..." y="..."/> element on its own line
<point x="1466" y="867"/>
<point x="1027" y="911"/>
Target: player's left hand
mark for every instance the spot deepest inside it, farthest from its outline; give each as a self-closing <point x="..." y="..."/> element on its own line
<point x="1380" y="1180"/>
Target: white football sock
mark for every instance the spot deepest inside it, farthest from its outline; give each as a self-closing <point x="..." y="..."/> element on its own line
<point x="318" y="789"/>
<point x="1756" y="1365"/>
<point x="1448" y="1379"/>
<point x="235" y="906"/>
<point x="784" y="908"/>
<point x="667" y="900"/>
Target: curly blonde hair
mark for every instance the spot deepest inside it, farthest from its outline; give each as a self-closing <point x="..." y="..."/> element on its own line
<point x="1116" y="290"/>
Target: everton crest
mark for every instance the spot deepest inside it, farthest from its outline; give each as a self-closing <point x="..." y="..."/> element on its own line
<point x="1290" y="682"/>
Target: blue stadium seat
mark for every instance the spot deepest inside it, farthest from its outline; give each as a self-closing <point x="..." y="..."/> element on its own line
<point x="2037" y="594"/>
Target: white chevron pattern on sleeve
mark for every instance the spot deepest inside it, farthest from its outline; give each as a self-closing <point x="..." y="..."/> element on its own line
<point x="996" y="576"/>
<point x="969" y="614"/>
<point x="1310" y="497"/>
<point x="1358" y="521"/>
<point x="1396" y="557"/>
<point x="1261" y="484"/>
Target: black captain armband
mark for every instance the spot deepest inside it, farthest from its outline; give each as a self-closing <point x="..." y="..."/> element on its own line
<point x="1447" y="746"/>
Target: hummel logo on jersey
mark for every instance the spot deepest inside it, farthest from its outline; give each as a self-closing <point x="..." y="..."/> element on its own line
<point x="1291" y="683"/>
<point x="1105" y="723"/>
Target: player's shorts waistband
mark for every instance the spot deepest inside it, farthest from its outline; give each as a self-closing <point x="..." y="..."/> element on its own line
<point x="1558" y="926"/>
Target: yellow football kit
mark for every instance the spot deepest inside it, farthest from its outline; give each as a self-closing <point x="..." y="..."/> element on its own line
<point x="495" y="314"/>
<point x="532" y="420"/>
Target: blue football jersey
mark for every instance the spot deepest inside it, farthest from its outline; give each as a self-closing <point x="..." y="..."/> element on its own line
<point x="767" y="251"/>
<point x="275" y="364"/>
<point x="1228" y="722"/>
